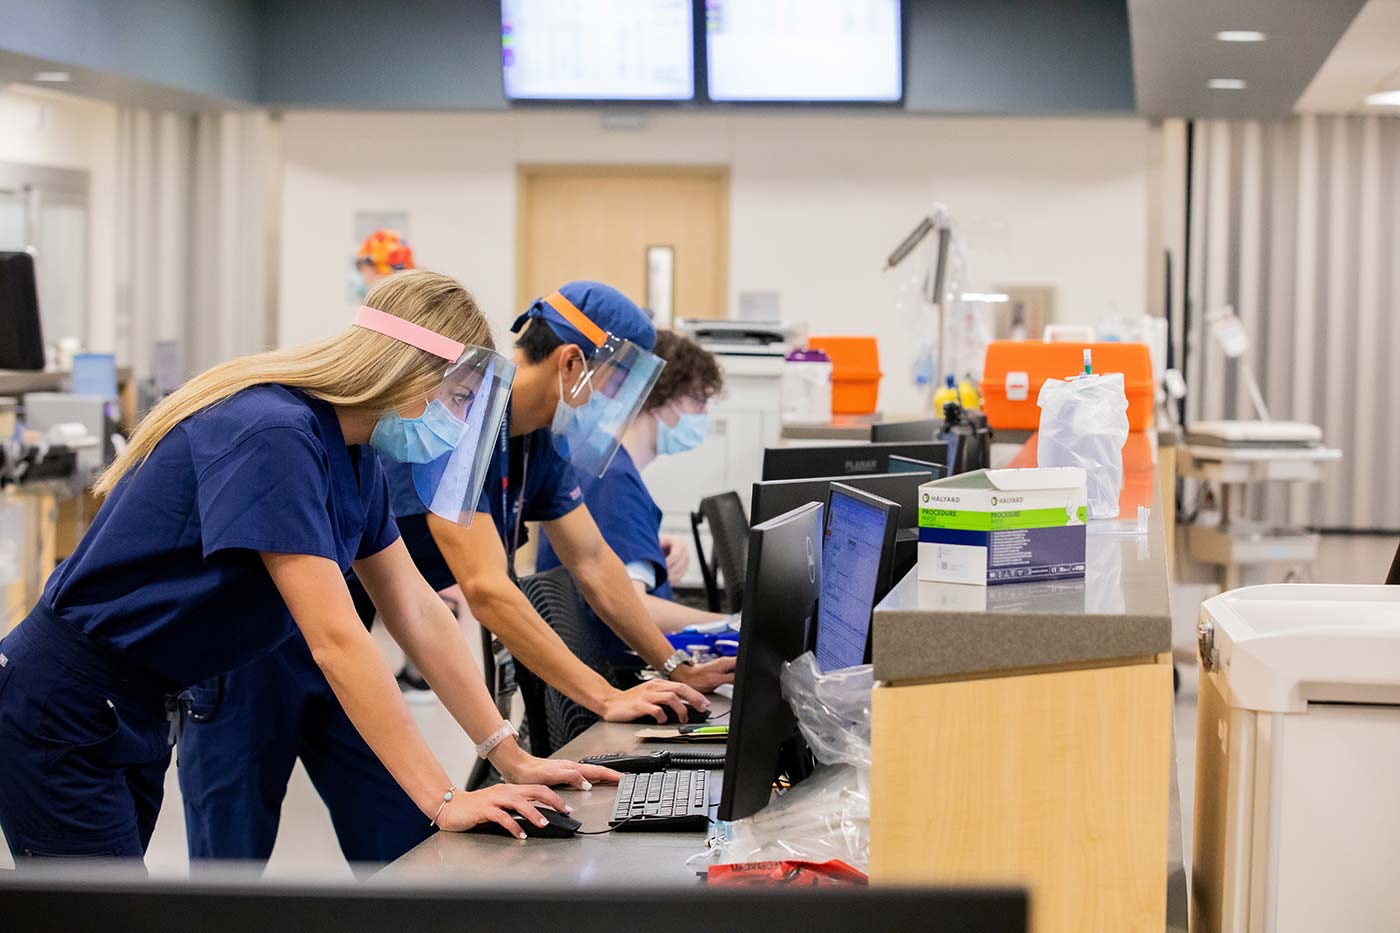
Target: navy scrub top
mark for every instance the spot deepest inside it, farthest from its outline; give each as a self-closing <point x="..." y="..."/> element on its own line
<point x="628" y="517"/>
<point x="630" y="521"/>
<point x="552" y="490"/>
<point x="169" y="576"/>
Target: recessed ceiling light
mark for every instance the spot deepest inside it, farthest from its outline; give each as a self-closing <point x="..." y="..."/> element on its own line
<point x="1240" y="35"/>
<point x="1387" y="93"/>
<point x="1226" y="84"/>
<point x="53" y="77"/>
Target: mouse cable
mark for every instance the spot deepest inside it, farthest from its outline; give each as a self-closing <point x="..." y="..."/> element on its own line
<point x="610" y="829"/>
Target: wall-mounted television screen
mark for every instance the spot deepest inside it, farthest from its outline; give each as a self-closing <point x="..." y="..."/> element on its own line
<point x="834" y="51"/>
<point x="634" y="50"/>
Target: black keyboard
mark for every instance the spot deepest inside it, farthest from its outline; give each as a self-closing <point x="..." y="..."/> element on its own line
<point x="677" y="801"/>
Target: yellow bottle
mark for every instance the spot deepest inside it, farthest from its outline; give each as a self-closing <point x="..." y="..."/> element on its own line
<point x="949" y="393"/>
<point x="968" y="394"/>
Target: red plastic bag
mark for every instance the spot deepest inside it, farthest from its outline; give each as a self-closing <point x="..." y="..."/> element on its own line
<point x="787" y="873"/>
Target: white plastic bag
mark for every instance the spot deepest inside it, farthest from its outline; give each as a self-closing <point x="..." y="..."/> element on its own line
<point x="827" y="816"/>
<point x="1084" y="423"/>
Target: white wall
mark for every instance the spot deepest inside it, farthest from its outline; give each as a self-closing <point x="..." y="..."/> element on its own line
<point x="817" y="203"/>
<point x="39" y="127"/>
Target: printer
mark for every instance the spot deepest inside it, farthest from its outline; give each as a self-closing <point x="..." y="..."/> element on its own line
<point x="743" y="338"/>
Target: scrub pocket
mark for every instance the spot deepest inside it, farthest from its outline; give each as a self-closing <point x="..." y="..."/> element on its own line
<point x="205" y="699"/>
<point x="81" y="721"/>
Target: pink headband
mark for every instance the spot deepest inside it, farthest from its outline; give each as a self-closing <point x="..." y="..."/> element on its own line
<point x="409" y="333"/>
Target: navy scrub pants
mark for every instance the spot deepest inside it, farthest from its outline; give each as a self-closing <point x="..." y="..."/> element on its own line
<point x="83" y="748"/>
<point x="238" y="748"/>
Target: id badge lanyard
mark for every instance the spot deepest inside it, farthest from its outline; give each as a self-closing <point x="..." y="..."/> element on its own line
<point x="511" y="513"/>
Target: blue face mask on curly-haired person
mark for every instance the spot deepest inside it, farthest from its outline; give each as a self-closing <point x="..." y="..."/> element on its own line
<point x="688" y="433"/>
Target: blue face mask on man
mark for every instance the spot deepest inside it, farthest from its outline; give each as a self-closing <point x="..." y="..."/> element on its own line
<point x="433" y="434"/>
<point x="689" y="433"/>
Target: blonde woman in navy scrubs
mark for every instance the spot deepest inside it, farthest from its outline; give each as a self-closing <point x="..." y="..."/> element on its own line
<point x="229" y="524"/>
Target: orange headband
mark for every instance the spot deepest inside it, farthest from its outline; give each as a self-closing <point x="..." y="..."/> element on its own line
<point x="581" y="322"/>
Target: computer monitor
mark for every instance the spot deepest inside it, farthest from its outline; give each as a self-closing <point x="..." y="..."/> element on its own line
<point x="641" y="50"/>
<point x="774" y="497"/>
<point x="857" y="558"/>
<point x="844" y="51"/>
<point x="780" y="600"/>
<point x="844" y="459"/>
<point x="933" y="471"/>
<point x="23" y="343"/>
<point x="892" y="432"/>
<point x="226" y="897"/>
<point x="95" y="374"/>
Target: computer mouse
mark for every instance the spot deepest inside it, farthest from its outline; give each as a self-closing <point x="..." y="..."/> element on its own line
<point x="693" y="715"/>
<point x="560" y="826"/>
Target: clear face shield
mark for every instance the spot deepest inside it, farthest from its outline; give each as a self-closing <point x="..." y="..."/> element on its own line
<point x="449" y="445"/>
<point x="598" y="408"/>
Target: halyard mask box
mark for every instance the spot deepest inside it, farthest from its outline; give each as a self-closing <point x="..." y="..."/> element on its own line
<point x="1003" y="526"/>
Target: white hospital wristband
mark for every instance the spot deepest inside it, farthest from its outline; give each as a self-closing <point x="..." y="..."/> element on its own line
<point x="496" y="738"/>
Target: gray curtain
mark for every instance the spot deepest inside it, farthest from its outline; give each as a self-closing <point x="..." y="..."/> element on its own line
<point x="1296" y="224"/>
<point x="197" y="217"/>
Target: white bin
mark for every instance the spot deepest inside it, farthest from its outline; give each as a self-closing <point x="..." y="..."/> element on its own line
<point x="1297" y="824"/>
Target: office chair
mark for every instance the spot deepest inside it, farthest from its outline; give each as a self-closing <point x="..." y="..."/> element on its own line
<point x="729" y="533"/>
<point x="553" y="718"/>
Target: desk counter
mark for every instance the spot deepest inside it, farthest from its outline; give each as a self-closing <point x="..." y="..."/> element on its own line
<point x="1121" y="608"/>
<point x="1022" y="733"/>
<point x="620" y="859"/>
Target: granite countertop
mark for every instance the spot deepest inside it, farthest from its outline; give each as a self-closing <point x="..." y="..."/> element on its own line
<point x="1120" y="609"/>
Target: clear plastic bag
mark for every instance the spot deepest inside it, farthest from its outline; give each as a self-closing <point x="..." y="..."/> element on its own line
<point x="826" y="816"/>
<point x="1084" y="423"/>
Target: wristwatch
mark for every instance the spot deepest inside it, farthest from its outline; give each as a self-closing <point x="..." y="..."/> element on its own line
<point x="675" y="661"/>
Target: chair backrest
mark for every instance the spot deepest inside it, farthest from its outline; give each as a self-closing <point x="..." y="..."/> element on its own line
<point x="554" y="718"/>
<point x="729" y="530"/>
<point x="707" y="563"/>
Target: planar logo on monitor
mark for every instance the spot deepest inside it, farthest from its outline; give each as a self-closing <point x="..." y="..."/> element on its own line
<point x="811" y="562"/>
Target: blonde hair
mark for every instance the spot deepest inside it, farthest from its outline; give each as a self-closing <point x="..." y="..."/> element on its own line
<point x="356" y="369"/>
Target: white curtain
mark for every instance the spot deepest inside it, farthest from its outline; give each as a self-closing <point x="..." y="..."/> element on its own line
<point x="197" y="220"/>
<point x="1296" y="224"/>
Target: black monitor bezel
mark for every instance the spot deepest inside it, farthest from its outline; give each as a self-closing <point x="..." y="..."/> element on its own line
<point x="937" y="470"/>
<point x="933" y="424"/>
<point x="884" y="574"/>
<point x="776" y="459"/>
<point x="741" y="789"/>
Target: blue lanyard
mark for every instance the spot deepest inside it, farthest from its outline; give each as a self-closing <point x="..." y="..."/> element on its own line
<point x="510" y="516"/>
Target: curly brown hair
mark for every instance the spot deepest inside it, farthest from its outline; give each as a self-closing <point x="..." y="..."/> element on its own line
<point x="690" y="370"/>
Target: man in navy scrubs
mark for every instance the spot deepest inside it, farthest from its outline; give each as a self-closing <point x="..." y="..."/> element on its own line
<point x="555" y="443"/>
<point x="675" y="419"/>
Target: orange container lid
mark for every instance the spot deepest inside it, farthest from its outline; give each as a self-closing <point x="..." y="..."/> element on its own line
<point x="852" y="357"/>
<point x="1060" y="360"/>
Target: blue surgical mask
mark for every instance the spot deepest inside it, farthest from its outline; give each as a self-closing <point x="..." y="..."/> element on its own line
<point x="431" y="435"/>
<point x="689" y="433"/>
<point x="358" y="286"/>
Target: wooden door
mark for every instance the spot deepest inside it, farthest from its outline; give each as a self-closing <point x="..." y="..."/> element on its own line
<point x="597" y="222"/>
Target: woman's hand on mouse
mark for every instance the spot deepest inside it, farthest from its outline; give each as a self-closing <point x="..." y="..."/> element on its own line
<point x="496" y="804"/>
<point x="648" y="698"/>
<point x="557" y="772"/>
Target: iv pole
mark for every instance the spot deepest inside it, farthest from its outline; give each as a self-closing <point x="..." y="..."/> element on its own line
<point x="934" y="290"/>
